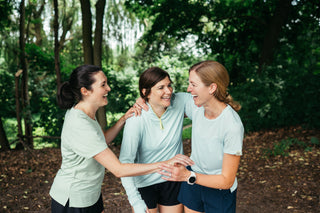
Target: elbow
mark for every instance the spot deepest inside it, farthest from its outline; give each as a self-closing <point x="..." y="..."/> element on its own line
<point x="118" y="171"/>
<point x="118" y="174"/>
<point x="227" y="183"/>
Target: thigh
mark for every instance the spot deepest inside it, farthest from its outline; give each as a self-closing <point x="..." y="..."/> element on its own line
<point x="187" y="210"/>
<point x="169" y="192"/>
<point x="153" y="210"/>
<point x="191" y="197"/>
<point x="171" y="209"/>
<point x="216" y="200"/>
<point x="150" y="196"/>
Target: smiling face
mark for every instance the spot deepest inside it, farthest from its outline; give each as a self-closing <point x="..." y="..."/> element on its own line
<point x="160" y="95"/>
<point x="200" y="92"/>
<point x="99" y="89"/>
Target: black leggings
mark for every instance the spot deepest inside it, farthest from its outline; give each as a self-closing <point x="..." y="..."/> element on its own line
<point x="58" y="208"/>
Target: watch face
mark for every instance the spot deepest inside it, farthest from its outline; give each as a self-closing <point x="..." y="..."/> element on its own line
<point x="192" y="179"/>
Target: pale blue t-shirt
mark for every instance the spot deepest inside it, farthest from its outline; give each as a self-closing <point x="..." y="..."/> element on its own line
<point x="144" y="141"/>
<point x="80" y="177"/>
<point x="211" y="138"/>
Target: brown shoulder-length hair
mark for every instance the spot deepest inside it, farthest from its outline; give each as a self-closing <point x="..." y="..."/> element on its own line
<point x="149" y="78"/>
<point x="214" y="72"/>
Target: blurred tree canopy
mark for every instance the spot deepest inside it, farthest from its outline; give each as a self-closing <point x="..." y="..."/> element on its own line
<point x="270" y="48"/>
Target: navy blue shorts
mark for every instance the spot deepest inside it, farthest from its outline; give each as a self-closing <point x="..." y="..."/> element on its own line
<point x="205" y="199"/>
<point x="165" y="194"/>
<point x="58" y="208"/>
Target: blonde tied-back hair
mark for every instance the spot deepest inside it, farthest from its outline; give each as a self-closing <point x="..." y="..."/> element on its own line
<point x="214" y="72"/>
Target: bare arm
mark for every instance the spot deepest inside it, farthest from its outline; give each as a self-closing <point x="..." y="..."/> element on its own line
<point x="111" y="133"/>
<point x="110" y="161"/>
<point x="224" y="180"/>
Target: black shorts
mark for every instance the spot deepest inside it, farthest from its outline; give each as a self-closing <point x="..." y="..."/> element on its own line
<point x="58" y="208"/>
<point x="165" y="194"/>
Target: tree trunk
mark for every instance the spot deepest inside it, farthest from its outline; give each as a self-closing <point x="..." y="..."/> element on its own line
<point x="38" y="26"/>
<point x="97" y="53"/>
<point x="271" y="37"/>
<point x="56" y="43"/>
<point x="18" y="108"/>
<point x="23" y="64"/>
<point x="3" y="138"/>
<point x="87" y="31"/>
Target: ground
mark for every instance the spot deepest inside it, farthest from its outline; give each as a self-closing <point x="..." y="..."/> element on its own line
<point x="275" y="184"/>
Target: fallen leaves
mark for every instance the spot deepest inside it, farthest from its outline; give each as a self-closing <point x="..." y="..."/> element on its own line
<point x="276" y="184"/>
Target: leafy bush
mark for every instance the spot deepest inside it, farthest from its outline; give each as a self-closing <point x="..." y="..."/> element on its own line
<point x="280" y="96"/>
<point x="283" y="147"/>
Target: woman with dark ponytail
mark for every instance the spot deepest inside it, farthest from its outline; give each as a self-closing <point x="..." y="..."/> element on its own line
<point x="210" y="185"/>
<point x="84" y="145"/>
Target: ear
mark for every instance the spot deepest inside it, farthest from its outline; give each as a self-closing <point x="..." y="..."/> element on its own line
<point x="144" y="91"/>
<point x="84" y="91"/>
<point x="212" y="88"/>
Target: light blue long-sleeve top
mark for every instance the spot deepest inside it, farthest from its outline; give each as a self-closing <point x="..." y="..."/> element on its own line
<point x="144" y="141"/>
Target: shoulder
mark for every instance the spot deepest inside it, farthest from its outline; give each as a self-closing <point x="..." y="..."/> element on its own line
<point x="181" y="98"/>
<point x="137" y="122"/>
<point x="77" y="121"/>
<point x="233" y="120"/>
<point x="182" y="95"/>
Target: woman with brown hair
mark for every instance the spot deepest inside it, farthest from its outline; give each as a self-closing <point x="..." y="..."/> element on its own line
<point x="154" y="136"/>
<point x="84" y="145"/>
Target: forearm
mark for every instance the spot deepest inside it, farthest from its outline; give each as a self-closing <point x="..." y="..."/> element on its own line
<point x="111" y="133"/>
<point x="129" y="169"/>
<point x="110" y="161"/>
<point x="215" y="181"/>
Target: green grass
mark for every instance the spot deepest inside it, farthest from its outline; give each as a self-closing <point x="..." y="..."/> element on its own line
<point x="186" y="133"/>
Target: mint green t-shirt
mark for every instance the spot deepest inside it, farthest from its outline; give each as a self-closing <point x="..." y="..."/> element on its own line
<point x="80" y="177"/>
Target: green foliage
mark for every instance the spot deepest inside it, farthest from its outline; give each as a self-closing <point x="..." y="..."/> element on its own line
<point x="177" y="69"/>
<point x="124" y="89"/>
<point x="283" y="147"/>
<point x="283" y="93"/>
<point x="186" y="133"/>
<point x="6" y="8"/>
<point x="187" y="121"/>
<point x="43" y="97"/>
<point x="7" y="101"/>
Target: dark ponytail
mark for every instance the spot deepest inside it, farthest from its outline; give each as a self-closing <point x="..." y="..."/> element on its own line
<point x="69" y="92"/>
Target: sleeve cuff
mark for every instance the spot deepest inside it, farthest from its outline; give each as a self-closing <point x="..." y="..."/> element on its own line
<point x="140" y="207"/>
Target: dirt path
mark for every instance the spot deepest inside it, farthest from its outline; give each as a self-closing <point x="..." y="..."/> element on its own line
<point x="277" y="184"/>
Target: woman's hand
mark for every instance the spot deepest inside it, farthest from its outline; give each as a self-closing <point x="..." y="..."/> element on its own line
<point x="132" y="111"/>
<point x="180" y="159"/>
<point x="141" y="104"/>
<point x="176" y="172"/>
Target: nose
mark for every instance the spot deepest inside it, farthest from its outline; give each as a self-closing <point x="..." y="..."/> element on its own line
<point x="108" y="88"/>
<point x="189" y="88"/>
<point x="168" y="90"/>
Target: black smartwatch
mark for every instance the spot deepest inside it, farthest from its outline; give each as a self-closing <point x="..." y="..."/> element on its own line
<point x="192" y="178"/>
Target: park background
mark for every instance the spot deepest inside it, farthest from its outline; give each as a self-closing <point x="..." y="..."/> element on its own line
<point x="269" y="47"/>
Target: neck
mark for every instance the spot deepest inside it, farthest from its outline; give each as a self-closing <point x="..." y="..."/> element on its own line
<point x="87" y="108"/>
<point x="213" y="109"/>
<point x="158" y="110"/>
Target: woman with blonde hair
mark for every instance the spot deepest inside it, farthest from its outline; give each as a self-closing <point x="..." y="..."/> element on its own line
<point x="210" y="185"/>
